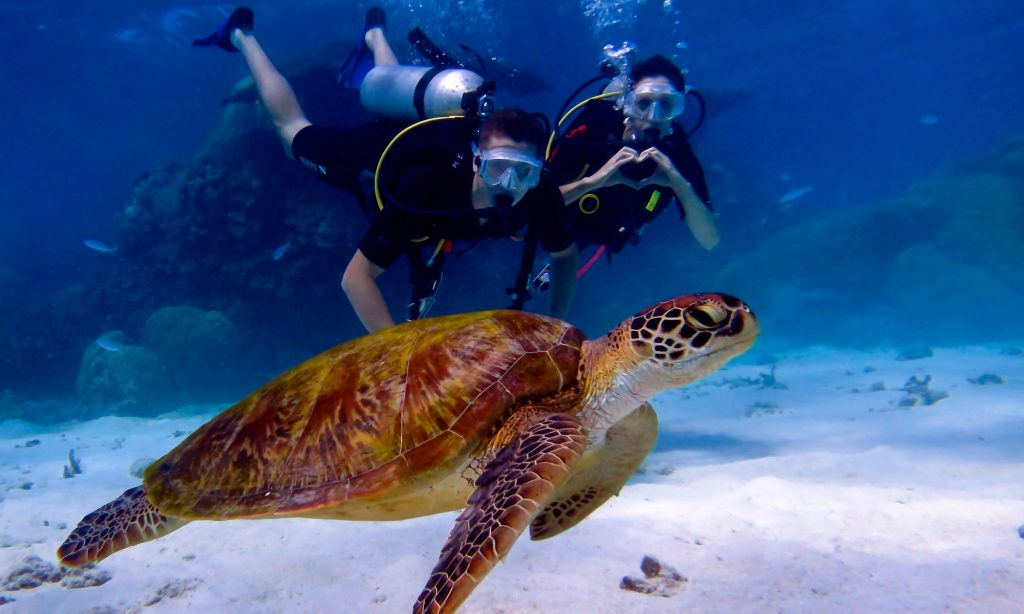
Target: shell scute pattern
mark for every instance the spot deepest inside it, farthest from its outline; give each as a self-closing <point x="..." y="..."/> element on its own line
<point x="367" y="415"/>
<point x="242" y="446"/>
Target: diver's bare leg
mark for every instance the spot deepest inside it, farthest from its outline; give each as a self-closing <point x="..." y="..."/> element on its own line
<point x="275" y="92"/>
<point x="378" y="44"/>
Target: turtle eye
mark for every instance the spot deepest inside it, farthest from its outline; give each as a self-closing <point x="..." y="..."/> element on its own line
<point x="705" y="317"/>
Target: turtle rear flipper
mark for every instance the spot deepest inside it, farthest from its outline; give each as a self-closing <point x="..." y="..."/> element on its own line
<point x="512" y="489"/>
<point x="625" y="446"/>
<point x="126" y="521"/>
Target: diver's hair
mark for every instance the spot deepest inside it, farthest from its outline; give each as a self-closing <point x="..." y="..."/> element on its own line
<point x="515" y="124"/>
<point x="658" y="66"/>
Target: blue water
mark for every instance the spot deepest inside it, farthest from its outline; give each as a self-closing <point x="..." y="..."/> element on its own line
<point x="160" y="257"/>
<point x="858" y="100"/>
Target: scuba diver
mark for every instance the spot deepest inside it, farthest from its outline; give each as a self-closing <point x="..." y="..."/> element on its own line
<point x="440" y="180"/>
<point x="619" y="169"/>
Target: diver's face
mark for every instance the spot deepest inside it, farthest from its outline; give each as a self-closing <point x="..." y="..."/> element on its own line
<point x="506" y="168"/>
<point x="653" y="102"/>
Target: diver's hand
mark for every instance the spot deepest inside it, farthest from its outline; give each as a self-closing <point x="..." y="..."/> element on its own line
<point x="664" y="175"/>
<point x="609" y="174"/>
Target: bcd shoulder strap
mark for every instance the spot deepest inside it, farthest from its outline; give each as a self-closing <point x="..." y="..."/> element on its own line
<point x="520" y="292"/>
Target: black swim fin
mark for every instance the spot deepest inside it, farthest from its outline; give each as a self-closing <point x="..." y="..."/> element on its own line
<point x="241" y="18"/>
<point x="430" y="51"/>
<point x="354" y="68"/>
<point x="375" y="18"/>
<point x="360" y="59"/>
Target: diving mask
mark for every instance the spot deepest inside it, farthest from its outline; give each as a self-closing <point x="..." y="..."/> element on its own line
<point x="510" y="169"/>
<point x="654" y="102"/>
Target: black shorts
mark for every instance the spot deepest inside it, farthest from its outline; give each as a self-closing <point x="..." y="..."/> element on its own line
<point x="339" y="155"/>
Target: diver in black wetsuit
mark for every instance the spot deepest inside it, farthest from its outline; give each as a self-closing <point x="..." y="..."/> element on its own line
<point x="445" y="181"/>
<point x="619" y="169"/>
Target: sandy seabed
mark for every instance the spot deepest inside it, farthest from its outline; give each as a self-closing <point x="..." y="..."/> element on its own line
<point x="828" y="485"/>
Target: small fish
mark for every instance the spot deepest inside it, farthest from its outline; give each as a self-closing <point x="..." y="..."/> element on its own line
<point x="109" y="344"/>
<point x="792" y="195"/>
<point x="99" y="246"/>
<point x="132" y="36"/>
<point x="929" y="119"/>
<point x="281" y="250"/>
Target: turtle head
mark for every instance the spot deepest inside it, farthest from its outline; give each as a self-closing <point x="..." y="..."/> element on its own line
<point x="681" y="340"/>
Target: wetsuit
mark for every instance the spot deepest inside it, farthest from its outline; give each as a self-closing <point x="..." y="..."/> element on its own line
<point x="426" y="182"/>
<point x="613" y="216"/>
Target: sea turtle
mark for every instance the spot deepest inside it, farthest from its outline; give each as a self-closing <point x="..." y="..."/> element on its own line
<point x="513" y="416"/>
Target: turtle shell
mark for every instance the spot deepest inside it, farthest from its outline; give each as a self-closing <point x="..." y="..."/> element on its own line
<point x="374" y="418"/>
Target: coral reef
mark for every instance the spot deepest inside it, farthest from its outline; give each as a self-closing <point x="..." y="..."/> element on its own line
<point x="33" y="572"/>
<point x="132" y="380"/>
<point x="85" y="577"/>
<point x="195" y="346"/>
<point x="986" y="379"/>
<point x="659" y="579"/>
<point x="172" y="590"/>
<point x="202" y="233"/>
<point x="914" y="354"/>
<point x="73" y="467"/>
<point x="918" y="391"/>
<point x="894" y="271"/>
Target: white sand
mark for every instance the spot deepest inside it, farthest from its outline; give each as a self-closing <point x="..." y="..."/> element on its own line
<point x="819" y="500"/>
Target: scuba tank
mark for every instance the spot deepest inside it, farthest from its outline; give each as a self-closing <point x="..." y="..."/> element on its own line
<point x="419" y="92"/>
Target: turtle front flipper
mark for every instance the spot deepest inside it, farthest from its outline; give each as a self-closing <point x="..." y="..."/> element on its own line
<point x="600" y="474"/>
<point x="126" y="521"/>
<point x="513" y="487"/>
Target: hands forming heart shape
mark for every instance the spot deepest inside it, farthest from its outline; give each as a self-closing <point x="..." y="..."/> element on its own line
<point x="637" y="170"/>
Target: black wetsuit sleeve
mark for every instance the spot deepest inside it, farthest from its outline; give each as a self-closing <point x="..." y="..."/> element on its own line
<point x="383" y="243"/>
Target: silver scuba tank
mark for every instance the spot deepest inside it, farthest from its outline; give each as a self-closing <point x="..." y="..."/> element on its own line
<point x="417" y="92"/>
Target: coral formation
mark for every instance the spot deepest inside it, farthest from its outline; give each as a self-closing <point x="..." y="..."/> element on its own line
<point x="85" y="577"/>
<point x="659" y="579"/>
<point x="132" y="380"/>
<point x="951" y="242"/>
<point x="194" y="346"/>
<point x="986" y="379"/>
<point x="172" y="590"/>
<point x="919" y="392"/>
<point x="33" y="572"/>
<point x="914" y="354"/>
